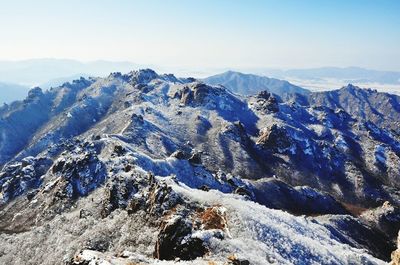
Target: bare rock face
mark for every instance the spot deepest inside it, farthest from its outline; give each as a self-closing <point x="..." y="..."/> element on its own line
<point x="385" y="218"/>
<point x="142" y="76"/>
<point x="195" y="94"/>
<point x="198" y="93"/>
<point x="274" y="137"/>
<point x="266" y="102"/>
<point x="173" y="241"/>
<point x="396" y="253"/>
<point x="161" y="198"/>
<point x="195" y="159"/>
<point x="178" y="154"/>
<point x="19" y="177"/>
<point x="186" y="96"/>
<point x="81" y="173"/>
<point x="136" y="192"/>
<point x="237" y="132"/>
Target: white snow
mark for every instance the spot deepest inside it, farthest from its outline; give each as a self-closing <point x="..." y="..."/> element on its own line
<point x="380" y="156"/>
<point x="261" y="235"/>
<point x="341" y="143"/>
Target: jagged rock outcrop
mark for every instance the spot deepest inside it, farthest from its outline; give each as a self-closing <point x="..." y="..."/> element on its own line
<point x="173" y="241"/>
<point x="199" y="93"/>
<point x="275" y="138"/>
<point x="265" y="102"/>
<point x="80" y="173"/>
<point x="21" y="177"/>
<point x="385" y="218"/>
<point x="396" y="253"/>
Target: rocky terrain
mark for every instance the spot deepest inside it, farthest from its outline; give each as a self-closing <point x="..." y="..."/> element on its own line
<point x="142" y="168"/>
<point x="382" y="109"/>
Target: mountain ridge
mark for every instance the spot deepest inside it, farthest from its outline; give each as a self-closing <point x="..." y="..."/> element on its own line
<point x="189" y="165"/>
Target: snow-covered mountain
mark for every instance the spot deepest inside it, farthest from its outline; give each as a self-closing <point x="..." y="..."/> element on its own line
<point x="365" y="104"/>
<point x="382" y="109"/>
<point x="154" y="169"/>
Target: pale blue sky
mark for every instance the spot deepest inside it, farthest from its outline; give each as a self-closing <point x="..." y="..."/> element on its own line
<point x="218" y="33"/>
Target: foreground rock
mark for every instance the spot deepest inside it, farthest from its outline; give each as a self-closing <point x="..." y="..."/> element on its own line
<point x="396" y="253"/>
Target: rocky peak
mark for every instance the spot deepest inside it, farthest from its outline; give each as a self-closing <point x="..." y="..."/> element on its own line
<point x="115" y="75"/>
<point x="142" y="76"/>
<point x="78" y="83"/>
<point x="169" y="78"/>
<point x="35" y="92"/>
<point x="198" y="93"/>
<point x="350" y="87"/>
<point x="266" y="102"/>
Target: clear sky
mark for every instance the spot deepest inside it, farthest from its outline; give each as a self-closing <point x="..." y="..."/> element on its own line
<point x="206" y="33"/>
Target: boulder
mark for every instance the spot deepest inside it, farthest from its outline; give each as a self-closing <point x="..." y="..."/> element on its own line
<point x="396" y="253"/>
<point x="195" y="159"/>
<point x="178" y="154"/>
<point x="385" y="218"/>
<point x="172" y="241"/>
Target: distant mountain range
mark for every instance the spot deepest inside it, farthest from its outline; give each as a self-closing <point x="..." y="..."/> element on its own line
<point x="10" y="92"/>
<point x="37" y="71"/>
<point x="249" y="84"/>
<point x="328" y="78"/>
<point x="19" y="76"/>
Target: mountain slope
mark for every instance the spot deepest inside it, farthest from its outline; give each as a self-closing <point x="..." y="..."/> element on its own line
<point x="248" y="84"/>
<point x="382" y="109"/>
<point x="151" y="167"/>
<point x="39" y="71"/>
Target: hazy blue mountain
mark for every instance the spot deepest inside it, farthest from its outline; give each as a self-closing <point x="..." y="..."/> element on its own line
<point x="249" y="84"/>
<point x="17" y="77"/>
<point x="38" y="71"/>
<point x="61" y="80"/>
<point x="10" y="92"/>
